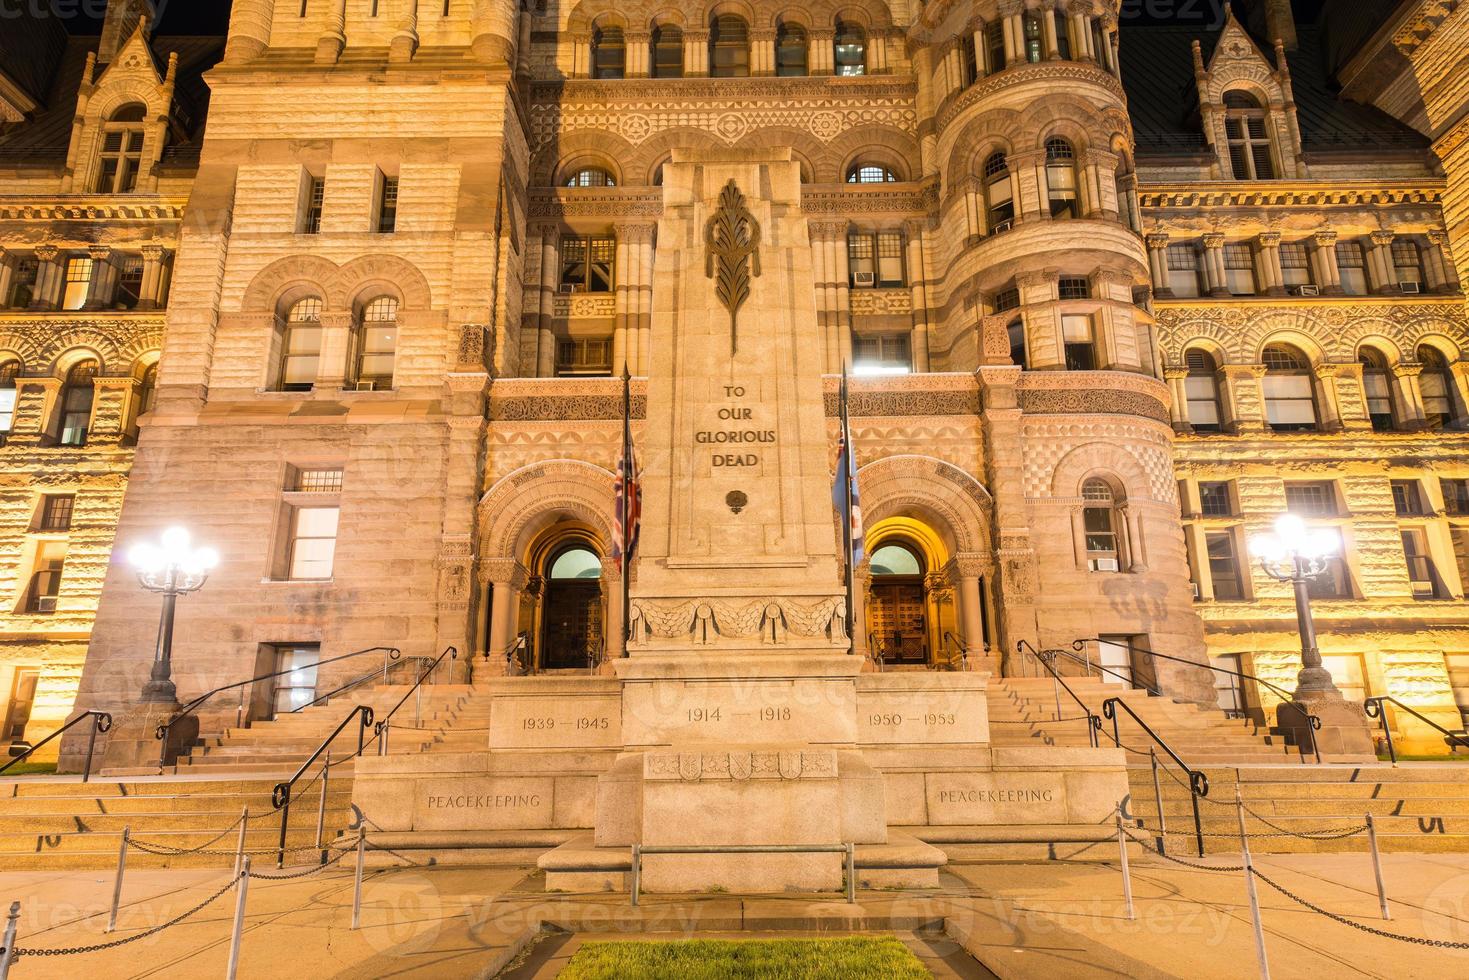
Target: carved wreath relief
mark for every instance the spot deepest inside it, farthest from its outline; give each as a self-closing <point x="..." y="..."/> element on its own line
<point x="732" y="254"/>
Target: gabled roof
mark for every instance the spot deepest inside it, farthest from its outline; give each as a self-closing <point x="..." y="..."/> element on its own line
<point x="1158" y="74"/>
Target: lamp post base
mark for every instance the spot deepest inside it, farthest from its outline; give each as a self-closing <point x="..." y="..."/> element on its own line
<point x="133" y="745"/>
<point x="1345" y="734"/>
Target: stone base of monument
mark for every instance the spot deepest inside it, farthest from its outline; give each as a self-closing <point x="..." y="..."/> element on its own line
<point x="1345" y="735"/>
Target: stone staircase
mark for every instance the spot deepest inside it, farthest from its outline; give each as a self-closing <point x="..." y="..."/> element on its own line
<point x="1023" y="711"/>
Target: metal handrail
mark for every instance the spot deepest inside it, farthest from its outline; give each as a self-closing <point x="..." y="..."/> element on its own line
<point x="1093" y="723"/>
<point x="1198" y="782"/>
<point x="1284" y="695"/>
<point x="961" y="643"/>
<point x="356" y="682"/>
<point x="879" y="652"/>
<point x="522" y="642"/>
<point x="101" y="722"/>
<point x="390" y="653"/>
<point x="280" y="794"/>
<point x="381" y="729"/>
<point x="1373" y="708"/>
<point x="1128" y="679"/>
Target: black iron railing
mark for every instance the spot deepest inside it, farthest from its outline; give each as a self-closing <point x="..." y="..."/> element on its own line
<point x="1374" y="709"/>
<point x="1044" y="658"/>
<point x="280" y="796"/>
<point x="1198" y="782"/>
<point x="101" y="722"/>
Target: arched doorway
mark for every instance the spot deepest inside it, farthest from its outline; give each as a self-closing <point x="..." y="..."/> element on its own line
<point x="898" y="613"/>
<point x="571" y="613"/>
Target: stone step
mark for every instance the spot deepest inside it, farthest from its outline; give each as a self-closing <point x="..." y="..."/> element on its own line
<point x="145" y="823"/>
<point x="262" y="836"/>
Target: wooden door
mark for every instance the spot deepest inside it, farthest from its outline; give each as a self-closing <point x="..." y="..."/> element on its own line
<point x="900" y="622"/>
<point x="572" y="623"/>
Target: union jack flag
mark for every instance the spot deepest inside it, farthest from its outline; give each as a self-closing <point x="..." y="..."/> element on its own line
<point x="628" y="490"/>
<point x="844" y="492"/>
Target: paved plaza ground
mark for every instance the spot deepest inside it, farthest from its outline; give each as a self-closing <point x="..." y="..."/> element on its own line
<point x="1021" y="920"/>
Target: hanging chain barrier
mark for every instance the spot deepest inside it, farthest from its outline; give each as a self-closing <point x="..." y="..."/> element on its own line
<point x="1334" y="833"/>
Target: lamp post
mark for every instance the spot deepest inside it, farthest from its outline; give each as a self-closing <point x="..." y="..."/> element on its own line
<point x="1300" y="555"/>
<point x="172" y="568"/>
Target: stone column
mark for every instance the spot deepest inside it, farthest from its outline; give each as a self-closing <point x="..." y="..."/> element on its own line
<point x="623" y="298"/>
<point x="154" y="271"/>
<point x="696" y="53"/>
<point x="581" y="56"/>
<point x="1081" y="47"/>
<point x="1271" y="274"/>
<point x="612" y="585"/>
<point x="1014" y="31"/>
<point x="645" y="297"/>
<point x="861" y="591"/>
<point x="762" y="52"/>
<point x="1323" y="262"/>
<point x="103" y="289"/>
<point x="1352" y="409"/>
<point x="7" y="273"/>
<point x="508" y="578"/>
<point x="1214" y="264"/>
<point x="1136" y="553"/>
<point x="1244" y="400"/>
<point x="550" y="277"/>
<point x="821" y="52"/>
<point x="1439" y="264"/>
<point x="1384" y="280"/>
<point x="1158" y="263"/>
<point x="334" y="37"/>
<point x="493" y="27"/>
<point x="1176" y="378"/>
<point x="35" y="400"/>
<point x="844" y="303"/>
<point x="637" y="54"/>
<point x="1408" y="396"/>
<point x="967" y="570"/>
<point x="877" y="53"/>
<point x="1048" y="34"/>
<point x="1015" y="575"/>
<point x="1328" y="405"/>
<point x="332" y="369"/>
<point x="49" y="274"/>
<point x="112" y="402"/>
<point x="917" y="282"/>
<point x="249" y="31"/>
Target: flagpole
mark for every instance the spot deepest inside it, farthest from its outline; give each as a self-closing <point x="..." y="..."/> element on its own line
<point x="626" y="505"/>
<point x="848" y="462"/>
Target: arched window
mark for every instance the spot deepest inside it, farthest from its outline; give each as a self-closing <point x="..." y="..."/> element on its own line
<point x="1376" y="388"/>
<point x="870" y="173"/>
<point x="76" y="403"/>
<point x="10" y="370"/>
<point x="1437" y="385"/>
<point x="1249" y="140"/>
<point x="375" y="345"/>
<point x="1016" y="332"/>
<point x="121" y="155"/>
<point x="667" y="51"/>
<point x="591" y="177"/>
<point x="1290" y="396"/>
<point x="609" y="53"/>
<point x="896" y="559"/>
<point x="1035" y="48"/>
<point x="1061" y="178"/>
<point x="577" y="562"/>
<point x="850" y="49"/>
<point x="791" y="50"/>
<point x="999" y="196"/>
<point x="148" y="388"/>
<point x="1099" y="523"/>
<point x="1201" y="389"/>
<point x="729" y="47"/>
<point x="301" y="346"/>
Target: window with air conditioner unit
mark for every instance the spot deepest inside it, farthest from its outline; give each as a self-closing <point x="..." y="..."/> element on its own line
<point x="44" y="588"/>
<point x="875" y="259"/>
<point x="586" y="264"/>
<point x="1100" y="522"/>
<point x="1407" y="263"/>
<point x="1295" y="269"/>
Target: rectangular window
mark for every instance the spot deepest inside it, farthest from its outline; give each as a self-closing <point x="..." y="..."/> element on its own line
<point x="1333" y="583"/>
<point x="994" y="43"/>
<point x="1458" y="665"/>
<point x="1351" y="262"/>
<point x="1081" y="353"/>
<point x="1295" y="263"/>
<point x="1378" y="392"/>
<point x="1224" y="569"/>
<point x="315" y="201"/>
<point x="1074" y="287"/>
<point x="23" y="283"/>
<point x="129" y="282"/>
<point x="297" y="688"/>
<point x="1460" y="536"/>
<point x="1407" y="499"/>
<point x="1314" y="499"/>
<point x="313" y="542"/>
<point x="586" y="264"/>
<point x="584" y="356"/>
<point x="1183" y="270"/>
<point x="387" y="208"/>
<point x="1421" y="573"/>
<point x="1214" y="499"/>
<point x="890" y="260"/>
<point x="1346" y="673"/>
<point x="317" y="481"/>
<point x="45" y="584"/>
<point x="1455" y="497"/>
<point x="1114" y="654"/>
<point x="882" y="354"/>
<point x="1229" y="687"/>
<point x="56" y="511"/>
<point x="1239" y="269"/>
<point x="1407" y="262"/>
<point x="22" y="699"/>
<point x="1290" y="402"/>
<point x="1007" y="299"/>
<point x="78" y="283"/>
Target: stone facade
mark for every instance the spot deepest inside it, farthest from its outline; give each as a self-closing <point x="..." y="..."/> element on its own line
<point x="413" y="249"/>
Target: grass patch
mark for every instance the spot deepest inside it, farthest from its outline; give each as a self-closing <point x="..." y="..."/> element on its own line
<point x="1461" y="757"/>
<point x="854" y="958"/>
<point x="30" y="769"/>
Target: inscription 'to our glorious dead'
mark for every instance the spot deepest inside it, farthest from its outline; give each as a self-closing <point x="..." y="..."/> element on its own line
<point x="734" y="436"/>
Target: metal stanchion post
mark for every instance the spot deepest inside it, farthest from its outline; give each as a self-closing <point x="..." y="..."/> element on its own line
<point x="240" y="844"/>
<point x="1244" y="846"/>
<point x="326" y="771"/>
<point x="242" y="883"/>
<point x="637" y="872"/>
<point x="1377" y="867"/>
<point x="357" y="883"/>
<point x="122" y="863"/>
<point x="7" y="955"/>
<point x="1126" y="872"/>
<point x="1158" y="795"/>
<point x="851" y="874"/>
<point x="418" y="707"/>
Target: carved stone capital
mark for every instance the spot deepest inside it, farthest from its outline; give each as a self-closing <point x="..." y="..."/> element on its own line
<point x="1383" y="238"/>
<point x="503" y="572"/>
<point x="1269" y="239"/>
<point x="47" y="253"/>
<point x="1214" y="239"/>
<point x="153" y="253"/>
<point x="1439" y="238"/>
<point x="99" y="253"/>
<point x="1325" y="239"/>
<point x="1158" y="240"/>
